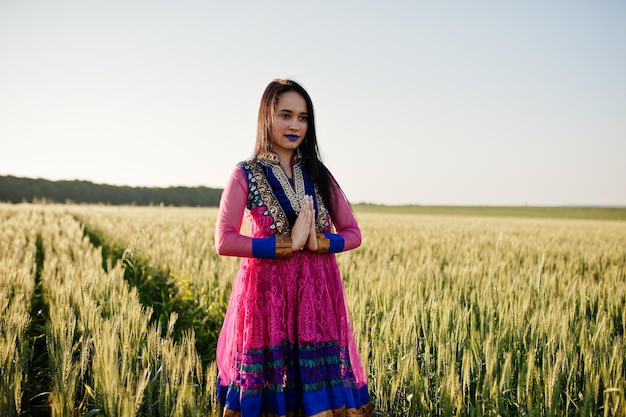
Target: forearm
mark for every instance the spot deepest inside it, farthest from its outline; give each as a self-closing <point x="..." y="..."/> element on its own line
<point x="228" y="239"/>
<point x="347" y="234"/>
<point x="235" y="244"/>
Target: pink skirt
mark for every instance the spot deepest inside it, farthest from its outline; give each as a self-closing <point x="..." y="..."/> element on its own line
<point x="287" y="347"/>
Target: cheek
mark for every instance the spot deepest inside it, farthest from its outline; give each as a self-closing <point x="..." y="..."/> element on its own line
<point x="276" y="129"/>
<point x="278" y="126"/>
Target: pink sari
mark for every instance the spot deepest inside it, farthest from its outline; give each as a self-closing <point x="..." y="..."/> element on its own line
<point x="286" y="347"/>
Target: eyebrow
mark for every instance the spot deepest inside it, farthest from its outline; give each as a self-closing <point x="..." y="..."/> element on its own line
<point x="291" y="111"/>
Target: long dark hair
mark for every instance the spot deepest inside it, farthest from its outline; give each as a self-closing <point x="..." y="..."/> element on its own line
<point x="308" y="148"/>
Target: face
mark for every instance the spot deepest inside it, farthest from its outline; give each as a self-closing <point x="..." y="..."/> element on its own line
<point x="290" y="122"/>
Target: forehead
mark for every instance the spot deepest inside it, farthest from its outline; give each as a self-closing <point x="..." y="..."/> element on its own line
<point x="292" y="101"/>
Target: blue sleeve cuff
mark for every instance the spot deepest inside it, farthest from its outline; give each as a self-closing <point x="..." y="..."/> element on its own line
<point x="264" y="247"/>
<point x="336" y="242"/>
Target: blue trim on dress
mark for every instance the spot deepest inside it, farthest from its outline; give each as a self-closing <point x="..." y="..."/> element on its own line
<point x="336" y="242"/>
<point x="277" y="189"/>
<point x="293" y="400"/>
<point x="293" y="377"/>
<point x="264" y="247"/>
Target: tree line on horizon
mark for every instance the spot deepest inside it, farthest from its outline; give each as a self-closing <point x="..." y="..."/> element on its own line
<point x="18" y="190"/>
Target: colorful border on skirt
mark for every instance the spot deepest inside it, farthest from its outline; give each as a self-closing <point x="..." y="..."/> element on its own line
<point x="328" y="402"/>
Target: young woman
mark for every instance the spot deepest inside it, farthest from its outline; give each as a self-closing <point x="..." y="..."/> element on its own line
<point x="286" y="347"/>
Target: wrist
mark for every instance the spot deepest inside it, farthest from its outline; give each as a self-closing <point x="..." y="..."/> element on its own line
<point x="323" y="243"/>
<point x="284" y="247"/>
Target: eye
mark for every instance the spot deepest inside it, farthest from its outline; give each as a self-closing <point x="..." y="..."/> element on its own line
<point x="304" y="118"/>
<point x="285" y="116"/>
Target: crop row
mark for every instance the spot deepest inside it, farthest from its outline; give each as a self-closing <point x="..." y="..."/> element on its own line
<point x="465" y="316"/>
<point x="454" y="315"/>
<point x="103" y="354"/>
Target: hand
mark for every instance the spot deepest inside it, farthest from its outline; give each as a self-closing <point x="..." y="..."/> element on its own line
<point x="301" y="231"/>
<point x="311" y="243"/>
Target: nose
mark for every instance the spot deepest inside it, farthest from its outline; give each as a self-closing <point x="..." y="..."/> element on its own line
<point x="295" y="124"/>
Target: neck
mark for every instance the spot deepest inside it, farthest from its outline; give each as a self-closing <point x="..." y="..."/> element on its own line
<point x="285" y="157"/>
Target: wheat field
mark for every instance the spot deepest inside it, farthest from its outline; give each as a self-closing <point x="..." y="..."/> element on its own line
<point x="114" y="311"/>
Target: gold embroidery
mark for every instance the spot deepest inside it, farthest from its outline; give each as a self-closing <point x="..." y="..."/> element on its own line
<point x="267" y="198"/>
<point x="322" y="213"/>
<point x="294" y="196"/>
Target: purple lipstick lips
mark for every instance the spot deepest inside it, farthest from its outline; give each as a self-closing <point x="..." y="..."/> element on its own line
<point x="292" y="138"/>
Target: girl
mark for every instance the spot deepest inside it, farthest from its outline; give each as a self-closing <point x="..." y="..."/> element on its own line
<point x="286" y="347"/>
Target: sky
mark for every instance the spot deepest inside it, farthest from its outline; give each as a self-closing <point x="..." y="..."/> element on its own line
<point x="416" y="102"/>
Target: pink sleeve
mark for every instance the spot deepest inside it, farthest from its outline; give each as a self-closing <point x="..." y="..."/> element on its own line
<point x="344" y="221"/>
<point x="228" y="239"/>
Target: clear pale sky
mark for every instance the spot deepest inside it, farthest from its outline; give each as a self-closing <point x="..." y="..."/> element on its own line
<point x="417" y="102"/>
